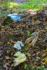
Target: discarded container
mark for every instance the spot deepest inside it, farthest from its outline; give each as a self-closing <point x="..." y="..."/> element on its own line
<point x="33" y="39"/>
<point x="18" y="45"/>
<point x="15" y="17"/>
<point x="35" y="34"/>
<point x="20" y="57"/>
<point x="28" y="40"/>
<point x="32" y="12"/>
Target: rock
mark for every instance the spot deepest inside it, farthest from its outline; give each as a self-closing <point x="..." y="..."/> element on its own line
<point x="1" y="51"/>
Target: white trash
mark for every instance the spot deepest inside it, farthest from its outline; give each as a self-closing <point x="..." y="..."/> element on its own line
<point x="20" y="58"/>
<point x="18" y="45"/>
<point x="33" y="39"/>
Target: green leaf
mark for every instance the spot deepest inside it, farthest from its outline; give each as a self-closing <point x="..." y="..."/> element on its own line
<point x="28" y="33"/>
<point x="26" y="67"/>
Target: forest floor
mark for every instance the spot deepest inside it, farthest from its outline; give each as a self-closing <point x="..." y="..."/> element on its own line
<point x="35" y="51"/>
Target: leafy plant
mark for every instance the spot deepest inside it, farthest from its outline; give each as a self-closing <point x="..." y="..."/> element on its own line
<point x="26" y="67"/>
<point x="29" y="67"/>
<point x="28" y="33"/>
<point x="32" y="4"/>
<point x="41" y="68"/>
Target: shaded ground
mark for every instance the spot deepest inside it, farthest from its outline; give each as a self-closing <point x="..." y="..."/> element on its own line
<point x="37" y="55"/>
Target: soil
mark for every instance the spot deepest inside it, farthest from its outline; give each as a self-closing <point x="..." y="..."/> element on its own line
<point x="14" y="31"/>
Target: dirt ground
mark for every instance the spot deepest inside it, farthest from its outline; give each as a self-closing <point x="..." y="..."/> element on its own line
<point x="14" y="31"/>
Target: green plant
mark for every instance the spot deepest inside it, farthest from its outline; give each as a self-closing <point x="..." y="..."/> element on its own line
<point x="32" y="4"/>
<point x="41" y="68"/>
<point x="28" y="33"/>
<point x="26" y="67"/>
